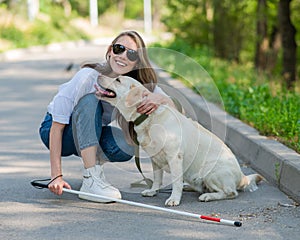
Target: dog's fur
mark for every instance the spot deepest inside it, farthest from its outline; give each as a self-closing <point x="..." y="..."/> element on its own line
<point x="180" y="146"/>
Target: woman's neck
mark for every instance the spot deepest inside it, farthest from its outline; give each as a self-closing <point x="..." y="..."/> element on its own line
<point x="113" y="75"/>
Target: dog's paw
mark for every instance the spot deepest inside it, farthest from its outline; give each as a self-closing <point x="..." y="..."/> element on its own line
<point x="206" y="197"/>
<point x="149" y="193"/>
<point x="170" y="202"/>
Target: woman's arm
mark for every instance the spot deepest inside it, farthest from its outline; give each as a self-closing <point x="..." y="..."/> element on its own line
<point x="56" y="133"/>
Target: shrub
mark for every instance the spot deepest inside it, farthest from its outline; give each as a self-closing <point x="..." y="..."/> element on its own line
<point x="14" y="35"/>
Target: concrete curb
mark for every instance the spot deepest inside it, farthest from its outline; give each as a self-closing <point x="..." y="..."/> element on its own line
<point x="279" y="164"/>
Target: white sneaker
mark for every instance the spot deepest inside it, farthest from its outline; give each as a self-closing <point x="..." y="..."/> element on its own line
<point x="94" y="182"/>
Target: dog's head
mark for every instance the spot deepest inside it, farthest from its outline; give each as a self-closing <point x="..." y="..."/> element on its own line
<point x="123" y="92"/>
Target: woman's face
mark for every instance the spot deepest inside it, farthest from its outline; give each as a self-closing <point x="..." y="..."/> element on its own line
<point x="119" y="63"/>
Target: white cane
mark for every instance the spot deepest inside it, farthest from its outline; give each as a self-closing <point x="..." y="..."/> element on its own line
<point x="36" y="184"/>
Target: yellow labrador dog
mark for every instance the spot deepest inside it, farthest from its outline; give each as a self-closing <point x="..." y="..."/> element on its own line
<point x="178" y="145"/>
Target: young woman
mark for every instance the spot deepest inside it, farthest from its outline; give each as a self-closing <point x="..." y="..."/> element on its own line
<point x="77" y="122"/>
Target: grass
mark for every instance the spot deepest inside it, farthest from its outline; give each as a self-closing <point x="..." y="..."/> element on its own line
<point x="254" y="98"/>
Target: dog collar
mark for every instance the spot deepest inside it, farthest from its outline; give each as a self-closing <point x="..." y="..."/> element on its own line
<point x="140" y="119"/>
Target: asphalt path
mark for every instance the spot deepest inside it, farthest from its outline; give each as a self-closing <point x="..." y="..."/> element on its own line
<point x="28" y="83"/>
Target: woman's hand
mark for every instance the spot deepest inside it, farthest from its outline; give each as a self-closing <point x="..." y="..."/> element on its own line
<point x="151" y="102"/>
<point x="57" y="186"/>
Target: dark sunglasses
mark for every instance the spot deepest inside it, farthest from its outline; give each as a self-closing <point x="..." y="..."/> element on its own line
<point x="132" y="55"/>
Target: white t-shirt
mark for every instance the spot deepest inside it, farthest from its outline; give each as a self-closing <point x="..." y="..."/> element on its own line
<point x="69" y="93"/>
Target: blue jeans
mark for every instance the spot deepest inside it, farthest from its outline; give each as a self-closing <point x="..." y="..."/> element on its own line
<point x="85" y="130"/>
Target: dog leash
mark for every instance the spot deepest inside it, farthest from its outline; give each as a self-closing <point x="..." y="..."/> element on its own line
<point x="140" y="119"/>
<point x="148" y="181"/>
<point x="139" y="183"/>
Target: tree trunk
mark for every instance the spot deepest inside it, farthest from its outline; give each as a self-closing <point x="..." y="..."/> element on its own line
<point x="121" y="7"/>
<point x="157" y="14"/>
<point x="66" y="5"/>
<point x="220" y="30"/>
<point x="267" y="47"/>
<point x="227" y="30"/>
<point x="289" y="45"/>
<point x="261" y="36"/>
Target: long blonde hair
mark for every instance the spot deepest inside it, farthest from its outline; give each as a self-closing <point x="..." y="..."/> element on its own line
<point x="143" y="72"/>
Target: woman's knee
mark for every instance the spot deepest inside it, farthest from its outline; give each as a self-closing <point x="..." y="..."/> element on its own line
<point x="89" y="105"/>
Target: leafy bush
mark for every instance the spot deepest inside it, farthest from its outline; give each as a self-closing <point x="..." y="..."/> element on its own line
<point x="39" y="35"/>
<point x="11" y="33"/>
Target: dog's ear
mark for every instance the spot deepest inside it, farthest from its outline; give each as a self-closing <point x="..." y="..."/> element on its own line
<point x="134" y="96"/>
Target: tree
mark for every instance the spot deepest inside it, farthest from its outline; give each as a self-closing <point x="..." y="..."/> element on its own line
<point x="66" y="5"/>
<point x="188" y="20"/>
<point x="33" y="7"/>
<point x="267" y="45"/>
<point x="288" y="33"/>
<point x="261" y="31"/>
<point x="10" y="3"/>
<point x="229" y="25"/>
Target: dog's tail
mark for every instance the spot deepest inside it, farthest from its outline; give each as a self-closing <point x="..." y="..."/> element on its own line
<point x="249" y="183"/>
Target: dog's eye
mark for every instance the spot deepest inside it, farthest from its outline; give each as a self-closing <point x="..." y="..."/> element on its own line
<point x="118" y="80"/>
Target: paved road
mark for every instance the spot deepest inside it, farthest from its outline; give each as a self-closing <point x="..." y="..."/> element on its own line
<point x="27" y="85"/>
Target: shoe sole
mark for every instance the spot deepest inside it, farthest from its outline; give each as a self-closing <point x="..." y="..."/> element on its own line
<point x="94" y="199"/>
